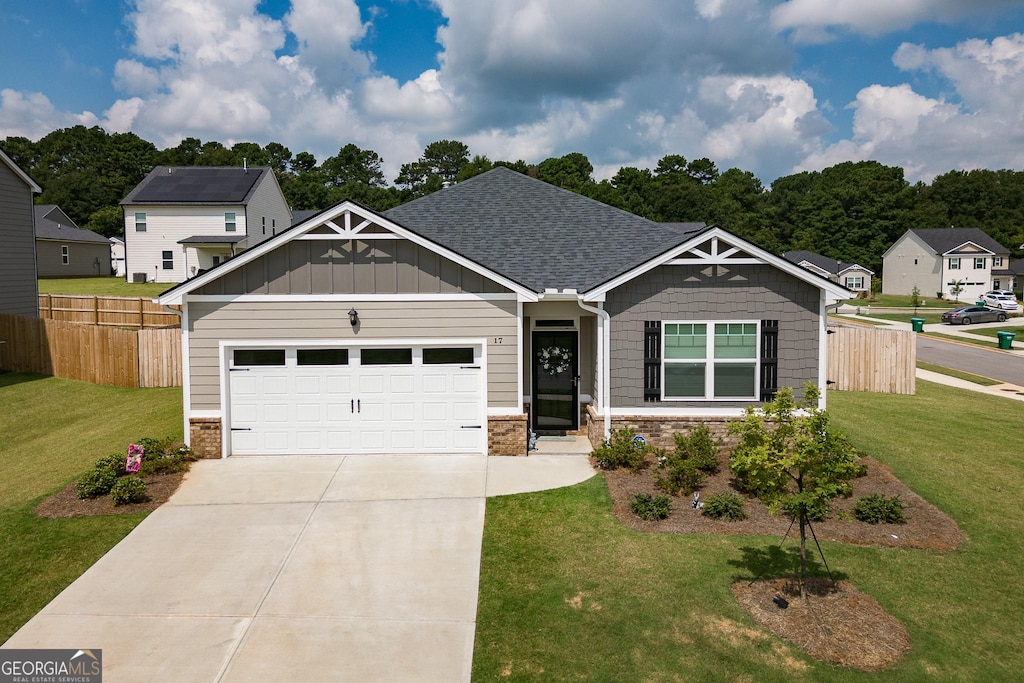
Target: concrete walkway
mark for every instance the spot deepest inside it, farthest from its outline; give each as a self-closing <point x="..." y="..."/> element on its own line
<point x="298" y="569"/>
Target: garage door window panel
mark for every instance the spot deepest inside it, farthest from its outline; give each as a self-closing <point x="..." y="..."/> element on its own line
<point x="448" y="356"/>
<point x="385" y="357"/>
<point x="245" y="358"/>
<point x="321" y="357"/>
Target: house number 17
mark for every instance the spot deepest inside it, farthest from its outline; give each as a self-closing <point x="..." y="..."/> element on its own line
<point x="497" y="340"/>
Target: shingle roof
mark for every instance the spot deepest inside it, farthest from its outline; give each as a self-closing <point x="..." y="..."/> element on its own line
<point x="196" y="185"/>
<point x="536" y="234"/>
<point x="943" y="240"/>
<point x="53" y="224"/>
<point x="829" y="265"/>
<point x="213" y="239"/>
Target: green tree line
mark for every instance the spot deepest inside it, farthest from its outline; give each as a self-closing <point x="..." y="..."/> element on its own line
<point x="851" y="211"/>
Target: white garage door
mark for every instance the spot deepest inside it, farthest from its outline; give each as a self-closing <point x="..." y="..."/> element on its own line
<point x="398" y="399"/>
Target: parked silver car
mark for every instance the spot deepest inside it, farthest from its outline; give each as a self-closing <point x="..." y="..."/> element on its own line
<point x="1007" y="303"/>
<point x="965" y="315"/>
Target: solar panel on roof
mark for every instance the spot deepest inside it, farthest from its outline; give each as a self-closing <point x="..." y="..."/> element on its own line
<point x="199" y="185"/>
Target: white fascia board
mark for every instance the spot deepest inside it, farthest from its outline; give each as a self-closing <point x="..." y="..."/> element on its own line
<point x="954" y="250"/>
<point x="833" y="289"/>
<point x="346" y="298"/>
<point x="857" y="266"/>
<point x="174" y="296"/>
<point x="679" y="412"/>
<point x="813" y="268"/>
<point x="20" y="173"/>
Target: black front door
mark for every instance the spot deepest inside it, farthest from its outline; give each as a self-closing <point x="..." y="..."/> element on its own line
<point x="555" y="403"/>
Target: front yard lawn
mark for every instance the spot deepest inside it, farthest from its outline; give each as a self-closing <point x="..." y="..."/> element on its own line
<point x="102" y="286"/>
<point x="994" y="332"/>
<point x="51" y="431"/>
<point x="569" y="593"/>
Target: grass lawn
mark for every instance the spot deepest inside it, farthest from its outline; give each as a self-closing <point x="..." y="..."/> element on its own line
<point x="903" y="301"/>
<point x="568" y="593"/>
<point x="52" y="430"/>
<point x="102" y="286"/>
<point x="994" y="332"/>
<point x="929" y="318"/>
<point x="959" y="374"/>
<point x="965" y="340"/>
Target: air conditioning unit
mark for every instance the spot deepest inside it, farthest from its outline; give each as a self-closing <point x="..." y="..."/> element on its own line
<point x="139" y="278"/>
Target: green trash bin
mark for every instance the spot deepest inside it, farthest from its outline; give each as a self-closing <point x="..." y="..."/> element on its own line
<point x="1005" y="340"/>
<point x="917" y="324"/>
<point x="979" y="302"/>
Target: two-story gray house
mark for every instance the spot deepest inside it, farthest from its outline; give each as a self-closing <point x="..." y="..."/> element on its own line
<point x="19" y="291"/>
<point x="962" y="263"/>
<point x="454" y="322"/>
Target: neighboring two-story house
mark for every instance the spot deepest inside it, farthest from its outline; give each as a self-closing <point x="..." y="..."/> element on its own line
<point x="182" y="220"/>
<point x="853" y="276"/>
<point x="65" y="250"/>
<point x="19" y="292"/>
<point x="962" y="263"/>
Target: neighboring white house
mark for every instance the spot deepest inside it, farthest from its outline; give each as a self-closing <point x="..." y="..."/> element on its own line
<point x="853" y="276"/>
<point x="117" y="257"/>
<point x="962" y="263"/>
<point x="183" y="220"/>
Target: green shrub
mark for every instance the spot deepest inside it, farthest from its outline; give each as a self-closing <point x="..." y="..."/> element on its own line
<point x="620" y="451"/>
<point x="724" y="505"/>
<point x="680" y="476"/>
<point x="700" y="446"/>
<point x="685" y="468"/>
<point x="162" y="456"/>
<point x="879" y="509"/>
<point x="128" y="490"/>
<point x="113" y="462"/>
<point x="96" y="482"/>
<point x="646" y="506"/>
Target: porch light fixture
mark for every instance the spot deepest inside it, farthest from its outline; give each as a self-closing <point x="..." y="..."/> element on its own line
<point x="353" y="316"/>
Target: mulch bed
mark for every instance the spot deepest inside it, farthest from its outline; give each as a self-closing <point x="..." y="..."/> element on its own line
<point x="927" y="527"/>
<point x="835" y="623"/>
<point x="65" y="504"/>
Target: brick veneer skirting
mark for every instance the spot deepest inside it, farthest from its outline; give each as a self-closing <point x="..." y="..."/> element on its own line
<point x="205" y="435"/>
<point x="506" y="434"/>
<point x="657" y="429"/>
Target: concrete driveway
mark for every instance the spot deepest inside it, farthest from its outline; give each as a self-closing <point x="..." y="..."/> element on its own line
<point x="298" y="569"/>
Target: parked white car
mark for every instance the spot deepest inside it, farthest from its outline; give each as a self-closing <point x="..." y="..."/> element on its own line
<point x="1001" y="301"/>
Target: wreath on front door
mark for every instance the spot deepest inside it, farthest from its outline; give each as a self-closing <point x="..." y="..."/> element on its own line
<point x="555" y="359"/>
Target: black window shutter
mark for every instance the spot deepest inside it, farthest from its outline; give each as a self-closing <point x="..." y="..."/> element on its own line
<point x="769" y="359"/>
<point x="652" y="360"/>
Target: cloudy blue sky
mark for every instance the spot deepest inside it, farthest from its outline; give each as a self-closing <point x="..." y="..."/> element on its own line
<point x="769" y="86"/>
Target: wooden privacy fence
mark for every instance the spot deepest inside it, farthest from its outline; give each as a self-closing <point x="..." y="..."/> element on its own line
<point x="872" y="359"/>
<point x="90" y="353"/>
<point x="107" y="311"/>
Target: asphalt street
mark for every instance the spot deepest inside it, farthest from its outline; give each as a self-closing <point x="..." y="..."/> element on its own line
<point x="995" y="364"/>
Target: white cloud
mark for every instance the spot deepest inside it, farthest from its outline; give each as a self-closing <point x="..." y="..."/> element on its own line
<point x="979" y="127"/>
<point x="811" y="19"/>
<point x="33" y="115"/>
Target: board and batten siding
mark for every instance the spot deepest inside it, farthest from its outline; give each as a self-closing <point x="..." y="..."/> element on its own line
<point x="685" y="293"/>
<point x="341" y="266"/>
<point x="211" y="322"/>
<point x="18" y="289"/>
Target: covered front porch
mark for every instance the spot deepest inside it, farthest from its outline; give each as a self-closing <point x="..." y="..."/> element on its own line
<point x="203" y="252"/>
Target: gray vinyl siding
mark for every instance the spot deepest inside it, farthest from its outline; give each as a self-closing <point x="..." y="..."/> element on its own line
<point x="900" y="274"/>
<point x="681" y="293"/>
<point x="82" y="257"/>
<point x="266" y="205"/>
<point x="210" y="322"/>
<point x="351" y="267"/>
<point x="18" y="289"/>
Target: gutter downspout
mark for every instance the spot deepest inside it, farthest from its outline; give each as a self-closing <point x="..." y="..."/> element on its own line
<point x="603" y="354"/>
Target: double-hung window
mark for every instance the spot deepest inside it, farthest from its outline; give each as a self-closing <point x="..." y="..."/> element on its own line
<point x="979" y="262"/>
<point x="954" y="263"/>
<point x="997" y="261"/>
<point x="855" y="282"/>
<point x="710" y="360"/>
<point x="65" y="255"/>
<point x="140" y="221"/>
<point x="229" y="221"/>
<point x="168" y="260"/>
